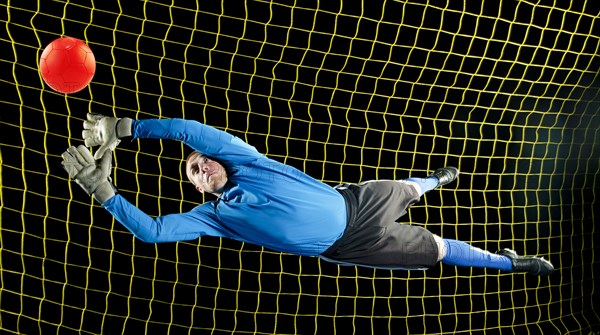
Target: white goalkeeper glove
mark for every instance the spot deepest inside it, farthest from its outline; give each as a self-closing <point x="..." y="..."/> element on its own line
<point x="91" y="175"/>
<point x="104" y="131"/>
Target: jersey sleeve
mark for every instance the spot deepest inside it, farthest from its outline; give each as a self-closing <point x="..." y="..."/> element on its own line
<point x="198" y="222"/>
<point x="200" y="137"/>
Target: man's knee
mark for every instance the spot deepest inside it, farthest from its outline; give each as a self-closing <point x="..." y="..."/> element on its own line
<point x="441" y="247"/>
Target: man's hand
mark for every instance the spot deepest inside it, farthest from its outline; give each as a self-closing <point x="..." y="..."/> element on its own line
<point x="104" y="131"/>
<point x="91" y="176"/>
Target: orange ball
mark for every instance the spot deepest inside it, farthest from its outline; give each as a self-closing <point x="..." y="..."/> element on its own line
<point x="67" y="65"/>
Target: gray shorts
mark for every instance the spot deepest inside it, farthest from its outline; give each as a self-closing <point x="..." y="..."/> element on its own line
<point x="374" y="237"/>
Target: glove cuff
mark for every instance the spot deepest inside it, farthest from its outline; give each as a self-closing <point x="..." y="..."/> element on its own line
<point x="123" y="127"/>
<point x="104" y="192"/>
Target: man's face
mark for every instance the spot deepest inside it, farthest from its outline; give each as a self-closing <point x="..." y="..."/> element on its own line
<point x="206" y="174"/>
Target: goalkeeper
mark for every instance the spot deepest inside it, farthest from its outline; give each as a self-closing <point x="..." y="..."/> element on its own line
<point x="264" y="202"/>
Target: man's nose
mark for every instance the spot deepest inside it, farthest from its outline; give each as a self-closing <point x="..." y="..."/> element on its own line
<point x="205" y="167"/>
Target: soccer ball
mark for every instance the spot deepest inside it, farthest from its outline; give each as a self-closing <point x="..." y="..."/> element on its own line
<point x="67" y="65"/>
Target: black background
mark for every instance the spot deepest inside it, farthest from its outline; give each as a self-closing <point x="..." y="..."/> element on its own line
<point x="508" y="92"/>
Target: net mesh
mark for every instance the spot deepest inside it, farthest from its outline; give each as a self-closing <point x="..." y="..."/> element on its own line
<point x="506" y="91"/>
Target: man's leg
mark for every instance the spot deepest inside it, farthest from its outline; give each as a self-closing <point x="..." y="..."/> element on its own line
<point x="441" y="176"/>
<point x="458" y="253"/>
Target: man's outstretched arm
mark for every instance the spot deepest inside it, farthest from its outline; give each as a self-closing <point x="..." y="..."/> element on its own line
<point x="107" y="131"/>
<point x="168" y="228"/>
<point x="94" y="178"/>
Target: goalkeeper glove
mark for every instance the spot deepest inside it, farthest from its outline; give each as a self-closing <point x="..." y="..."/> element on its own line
<point x="92" y="176"/>
<point x="104" y="131"/>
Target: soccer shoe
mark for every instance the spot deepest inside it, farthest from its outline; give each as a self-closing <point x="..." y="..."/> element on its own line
<point x="530" y="264"/>
<point x="445" y="175"/>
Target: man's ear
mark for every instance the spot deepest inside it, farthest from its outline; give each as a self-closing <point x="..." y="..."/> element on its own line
<point x="199" y="189"/>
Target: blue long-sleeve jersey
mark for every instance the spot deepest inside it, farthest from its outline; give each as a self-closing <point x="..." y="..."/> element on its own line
<point x="265" y="202"/>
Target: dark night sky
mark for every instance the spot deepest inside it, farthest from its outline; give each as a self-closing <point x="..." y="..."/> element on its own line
<point x="506" y="91"/>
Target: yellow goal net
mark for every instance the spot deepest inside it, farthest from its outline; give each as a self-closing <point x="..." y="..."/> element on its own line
<point x="507" y="91"/>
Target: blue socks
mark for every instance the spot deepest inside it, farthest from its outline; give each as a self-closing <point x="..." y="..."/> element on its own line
<point x="459" y="253"/>
<point x="426" y="184"/>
